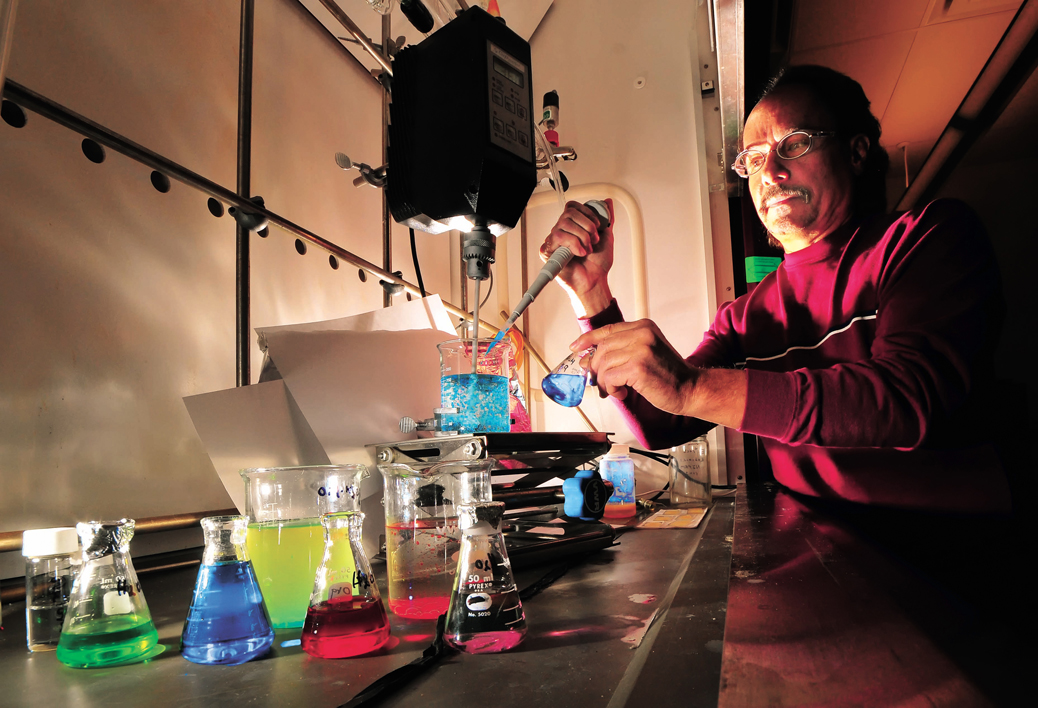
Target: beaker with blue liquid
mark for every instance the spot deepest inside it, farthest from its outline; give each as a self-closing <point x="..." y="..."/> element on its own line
<point x="476" y="387"/>
<point x="227" y="622"/>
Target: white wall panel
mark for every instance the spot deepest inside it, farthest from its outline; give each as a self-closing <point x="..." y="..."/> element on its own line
<point x="116" y="300"/>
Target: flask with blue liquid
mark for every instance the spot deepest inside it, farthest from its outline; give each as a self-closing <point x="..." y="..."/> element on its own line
<point x="566" y="383"/>
<point x="228" y="622"/>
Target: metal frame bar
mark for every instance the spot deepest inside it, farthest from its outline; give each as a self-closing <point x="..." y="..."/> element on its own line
<point x="1006" y="70"/>
<point x="243" y="274"/>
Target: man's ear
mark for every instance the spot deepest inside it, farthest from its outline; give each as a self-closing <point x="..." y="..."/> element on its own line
<point x="859" y="152"/>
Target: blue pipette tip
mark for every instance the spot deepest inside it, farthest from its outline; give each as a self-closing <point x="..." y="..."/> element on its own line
<point x="498" y="338"/>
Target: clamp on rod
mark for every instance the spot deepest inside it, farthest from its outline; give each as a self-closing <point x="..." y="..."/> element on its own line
<point x="353" y="29"/>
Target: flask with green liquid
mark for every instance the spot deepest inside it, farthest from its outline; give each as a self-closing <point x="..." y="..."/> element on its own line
<point x="108" y="621"/>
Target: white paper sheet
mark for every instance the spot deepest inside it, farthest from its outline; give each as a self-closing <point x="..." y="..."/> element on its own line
<point x="253" y="426"/>
<point x="346" y="384"/>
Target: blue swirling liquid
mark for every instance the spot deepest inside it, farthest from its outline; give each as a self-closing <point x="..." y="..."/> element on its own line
<point x="564" y="389"/>
<point x="482" y="401"/>
<point x="227" y="622"/>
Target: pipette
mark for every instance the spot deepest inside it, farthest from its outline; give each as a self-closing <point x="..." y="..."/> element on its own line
<point x="558" y="260"/>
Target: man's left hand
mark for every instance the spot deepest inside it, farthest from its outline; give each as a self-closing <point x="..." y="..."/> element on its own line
<point x="636" y="355"/>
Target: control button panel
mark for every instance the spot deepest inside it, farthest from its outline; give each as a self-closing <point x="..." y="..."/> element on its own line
<point x="510" y="110"/>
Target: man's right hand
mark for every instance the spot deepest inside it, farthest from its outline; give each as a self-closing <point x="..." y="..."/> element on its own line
<point x="585" y="278"/>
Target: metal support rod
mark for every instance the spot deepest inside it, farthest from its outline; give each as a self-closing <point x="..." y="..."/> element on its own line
<point x="387" y="219"/>
<point x="243" y="286"/>
<point x="343" y="19"/>
<point x="349" y="55"/>
<point x="12" y="540"/>
<point x="40" y="105"/>
<point x="524" y="279"/>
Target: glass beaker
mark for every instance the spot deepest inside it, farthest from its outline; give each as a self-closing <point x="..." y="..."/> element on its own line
<point x="285" y="539"/>
<point x="566" y="383"/>
<point x="227" y="622"/>
<point x="108" y="621"/>
<point x="346" y="616"/>
<point x="478" y="390"/>
<point x="422" y="534"/>
<point x="485" y="614"/>
<point x="690" y="474"/>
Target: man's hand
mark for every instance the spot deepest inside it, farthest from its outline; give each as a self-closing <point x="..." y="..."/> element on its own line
<point x="585" y="277"/>
<point x="636" y="356"/>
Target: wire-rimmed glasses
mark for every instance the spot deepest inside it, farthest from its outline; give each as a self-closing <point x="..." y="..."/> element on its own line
<point x="789" y="147"/>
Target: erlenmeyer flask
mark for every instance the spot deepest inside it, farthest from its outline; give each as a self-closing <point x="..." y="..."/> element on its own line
<point x="566" y="383"/>
<point x="346" y="616"/>
<point x="227" y="623"/>
<point x="108" y="621"/>
<point x="485" y="614"/>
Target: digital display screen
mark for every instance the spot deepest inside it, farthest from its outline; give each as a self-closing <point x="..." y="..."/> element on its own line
<point x="508" y="72"/>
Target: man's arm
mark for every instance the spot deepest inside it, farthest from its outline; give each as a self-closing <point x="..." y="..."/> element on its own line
<point x="653" y="427"/>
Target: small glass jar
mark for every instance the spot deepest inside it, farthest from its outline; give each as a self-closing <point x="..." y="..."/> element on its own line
<point x="52" y="559"/>
<point x="690" y="474"/>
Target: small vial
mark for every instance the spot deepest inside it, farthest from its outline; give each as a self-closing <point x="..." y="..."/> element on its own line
<point x="51" y="562"/>
<point x="485" y="615"/>
<point x="618" y="468"/>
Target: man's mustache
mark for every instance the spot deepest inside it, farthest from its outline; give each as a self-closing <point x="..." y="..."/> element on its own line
<point x="774" y="191"/>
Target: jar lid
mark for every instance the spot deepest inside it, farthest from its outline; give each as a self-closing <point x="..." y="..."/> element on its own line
<point x="619" y="449"/>
<point x="50" y="542"/>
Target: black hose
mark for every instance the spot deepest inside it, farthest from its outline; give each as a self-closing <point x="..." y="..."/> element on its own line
<point x="417" y="269"/>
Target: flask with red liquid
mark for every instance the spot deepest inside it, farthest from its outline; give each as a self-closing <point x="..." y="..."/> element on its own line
<point x="346" y="616"/>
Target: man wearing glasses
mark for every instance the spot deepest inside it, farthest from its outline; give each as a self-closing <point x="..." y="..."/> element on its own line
<point x="862" y="361"/>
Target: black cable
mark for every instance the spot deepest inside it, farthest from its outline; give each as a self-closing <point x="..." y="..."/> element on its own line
<point x="489" y="290"/>
<point x="396" y="679"/>
<point x="657" y="456"/>
<point x="417" y="269"/>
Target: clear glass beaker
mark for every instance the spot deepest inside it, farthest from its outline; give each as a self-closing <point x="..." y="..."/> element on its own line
<point x="346" y="616"/>
<point x="227" y="622"/>
<point x="285" y="539"/>
<point x="485" y="614"/>
<point x="422" y="534"/>
<point x="478" y="390"/>
<point x="566" y="383"/>
<point x="108" y="621"/>
<point x="690" y="484"/>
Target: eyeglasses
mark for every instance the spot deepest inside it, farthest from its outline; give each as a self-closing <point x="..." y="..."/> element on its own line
<point x="794" y="145"/>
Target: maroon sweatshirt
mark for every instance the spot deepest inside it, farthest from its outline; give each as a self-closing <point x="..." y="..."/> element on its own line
<point x="869" y="358"/>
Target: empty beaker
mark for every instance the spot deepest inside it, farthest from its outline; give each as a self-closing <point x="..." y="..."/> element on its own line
<point x="108" y="621"/>
<point x="422" y="534"/>
<point x="477" y="389"/>
<point x="227" y="622"/>
<point x="346" y="616"/>
<point x="566" y="383"/>
<point x="285" y="539"/>
<point x="690" y="484"/>
<point x="485" y="614"/>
